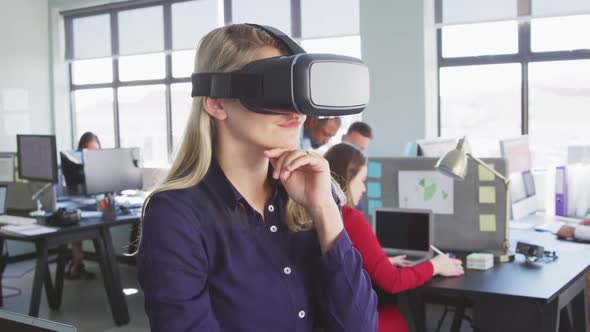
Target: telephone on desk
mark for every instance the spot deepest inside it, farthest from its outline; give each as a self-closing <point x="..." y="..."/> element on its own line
<point x="64" y="217"/>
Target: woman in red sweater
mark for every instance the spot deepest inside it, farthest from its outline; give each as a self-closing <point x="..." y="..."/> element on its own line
<point x="348" y="166"/>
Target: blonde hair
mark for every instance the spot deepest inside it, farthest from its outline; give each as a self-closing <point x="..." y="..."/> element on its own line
<point x="224" y="49"/>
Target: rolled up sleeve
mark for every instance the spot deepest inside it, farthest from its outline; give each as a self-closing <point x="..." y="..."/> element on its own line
<point x="343" y="289"/>
<point x="172" y="269"/>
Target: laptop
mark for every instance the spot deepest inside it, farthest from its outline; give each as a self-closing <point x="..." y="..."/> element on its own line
<point x="10" y="220"/>
<point x="13" y="322"/>
<point x="405" y="232"/>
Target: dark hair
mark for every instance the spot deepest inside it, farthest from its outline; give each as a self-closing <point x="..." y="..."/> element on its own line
<point x="345" y="160"/>
<point x="361" y="128"/>
<point x="86" y="138"/>
<point x="322" y="121"/>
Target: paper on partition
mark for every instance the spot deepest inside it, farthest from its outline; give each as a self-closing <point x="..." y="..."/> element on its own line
<point x="487" y="195"/>
<point x="374" y="169"/>
<point x="373" y="189"/>
<point x="373" y="204"/>
<point x="487" y="222"/>
<point x="426" y="190"/>
<point x="484" y="174"/>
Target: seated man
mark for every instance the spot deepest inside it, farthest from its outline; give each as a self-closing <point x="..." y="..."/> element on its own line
<point x="318" y="131"/>
<point x="579" y="232"/>
<point x="360" y="135"/>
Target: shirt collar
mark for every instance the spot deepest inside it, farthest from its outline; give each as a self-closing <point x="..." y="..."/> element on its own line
<point x="218" y="182"/>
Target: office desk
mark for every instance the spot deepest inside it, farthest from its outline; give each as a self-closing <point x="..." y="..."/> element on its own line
<point x="93" y="229"/>
<point x="516" y="296"/>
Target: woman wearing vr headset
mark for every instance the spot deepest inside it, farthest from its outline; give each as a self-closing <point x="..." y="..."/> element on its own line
<point x="349" y="166"/>
<point x="245" y="233"/>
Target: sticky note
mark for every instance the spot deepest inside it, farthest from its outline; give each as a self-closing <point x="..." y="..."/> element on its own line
<point x="373" y="204"/>
<point x="487" y="222"/>
<point x="374" y="169"/>
<point x="487" y="194"/>
<point x="374" y="190"/>
<point x="484" y="174"/>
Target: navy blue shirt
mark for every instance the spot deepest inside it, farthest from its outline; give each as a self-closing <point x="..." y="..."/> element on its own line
<point x="209" y="262"/>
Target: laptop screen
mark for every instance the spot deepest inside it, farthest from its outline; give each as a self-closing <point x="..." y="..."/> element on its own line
<point x="10" y="321"/>
<point x="405" y="230"/>
<point x="3" y="197"/>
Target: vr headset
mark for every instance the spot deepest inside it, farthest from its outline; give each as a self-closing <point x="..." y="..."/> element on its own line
<point x="312" y="84"/>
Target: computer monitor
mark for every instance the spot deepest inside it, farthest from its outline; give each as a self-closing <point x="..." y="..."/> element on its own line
<point x="111" y="170"/>
<point x="37" y="158"/>
<point x="13" y="322"/>
<point x="72" y="168"/>
<point x="404" y="231"/>
<point x="436" y="147"/>
<point x="517" y="153"/>
<point x="6" y="167"/>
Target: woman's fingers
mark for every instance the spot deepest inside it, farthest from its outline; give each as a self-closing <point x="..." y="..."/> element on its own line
<point x="286" y="161"/>
<point x="308" y="158"/>
<point x="275" y="153"/>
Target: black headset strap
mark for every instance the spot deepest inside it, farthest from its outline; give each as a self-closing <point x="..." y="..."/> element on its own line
<point x="226" y="85"/>
<point x="236" y="84"/>
<point x="281" y="38"/>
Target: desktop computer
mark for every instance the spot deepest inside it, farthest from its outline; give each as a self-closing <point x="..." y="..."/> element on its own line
<point x="72" y="168"/>
<point x="111" y="170"/>
<point x="92" y="172"/>
<point x="37" y="158"/>
<point x="37" y="161"/>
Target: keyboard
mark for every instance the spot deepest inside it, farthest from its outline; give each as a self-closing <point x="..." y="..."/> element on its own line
<point x="14" y="220"/>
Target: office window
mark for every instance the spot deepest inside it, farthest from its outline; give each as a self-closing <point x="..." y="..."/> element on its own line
<point x="561" y="7"/>
<point x="142" y="121"/>
<point x="94" y="112"/>
<point x="464" y="11"/>
<point x="319" y="18"/>
<point x="276" y="13"/>
<point x="483" y="43"/>
<point x="350" y="46"/>
<point x="559" y="99"/>
<point x="183" y="63"/>
<point x="482" y="102"/>
<point x="142" y="67"/>
<point x="92" y="36"/>
<point x="186" y="30"/>
<point x="560" y="33"/>
<point x="92" y="71"/>
<point x="136" y="35"/>
<point x="480" y="39"/>
<point x="139" y="50"/>
<point x="181" y="108"/>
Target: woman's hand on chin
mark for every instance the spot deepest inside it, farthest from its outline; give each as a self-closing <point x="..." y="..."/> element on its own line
<point x="305" y="175"/>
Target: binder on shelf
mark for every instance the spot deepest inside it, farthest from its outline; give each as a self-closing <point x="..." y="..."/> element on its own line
<point x="561" y="191"/>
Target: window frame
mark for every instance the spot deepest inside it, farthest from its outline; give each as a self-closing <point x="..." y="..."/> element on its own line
<point x="524" y="56"/>
<point x="112" y="10"/>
